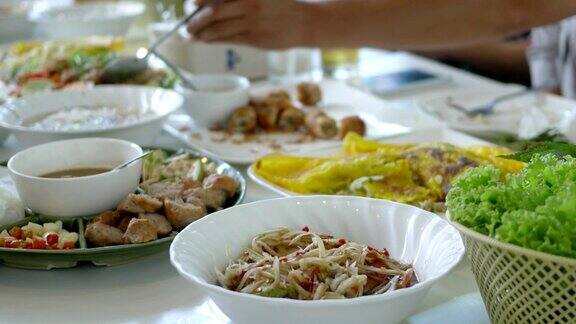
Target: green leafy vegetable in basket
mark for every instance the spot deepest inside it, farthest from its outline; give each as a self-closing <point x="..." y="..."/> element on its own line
<point x="535" y="208"/>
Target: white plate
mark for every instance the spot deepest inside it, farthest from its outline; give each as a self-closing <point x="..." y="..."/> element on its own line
<point x="340" y="100"/>
<point x="420" y="136"/>
<point x="525" y="116"/>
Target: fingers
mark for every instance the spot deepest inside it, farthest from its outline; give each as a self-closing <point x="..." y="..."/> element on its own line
<point x="201" y="3"/>
<point x="240" y="39"/>
<point x="212" y="15"/>
<point x="223" y="30"/>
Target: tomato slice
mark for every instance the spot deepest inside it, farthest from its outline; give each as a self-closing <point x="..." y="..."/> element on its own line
<point x="51" y="238"/>
<point x="39" y="243"/>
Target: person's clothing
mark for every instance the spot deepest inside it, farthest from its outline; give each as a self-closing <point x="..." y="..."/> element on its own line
<point x="552" y="58"/>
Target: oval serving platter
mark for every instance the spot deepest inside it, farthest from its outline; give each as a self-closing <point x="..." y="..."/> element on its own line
<point x="108" y="255"/>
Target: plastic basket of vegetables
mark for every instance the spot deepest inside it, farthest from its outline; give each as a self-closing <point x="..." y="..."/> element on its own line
<point x="520" y="236"/>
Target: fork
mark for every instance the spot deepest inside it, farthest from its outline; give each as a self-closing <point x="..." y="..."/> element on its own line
<point x="488" y="107"/>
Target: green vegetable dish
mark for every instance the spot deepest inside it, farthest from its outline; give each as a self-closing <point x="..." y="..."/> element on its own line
<point x="535" y="208"/>
<point x="30" y="67"/>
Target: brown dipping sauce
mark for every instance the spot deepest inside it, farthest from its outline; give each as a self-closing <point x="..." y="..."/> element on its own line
<point x="75" y="173"/>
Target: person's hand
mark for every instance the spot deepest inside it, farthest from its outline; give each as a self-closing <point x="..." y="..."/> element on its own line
<point x="263" y="23"/>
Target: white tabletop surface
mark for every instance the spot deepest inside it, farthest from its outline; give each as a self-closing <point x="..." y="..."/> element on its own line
<point x="150" y="291"/>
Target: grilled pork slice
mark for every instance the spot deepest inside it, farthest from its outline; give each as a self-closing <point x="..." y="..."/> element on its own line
<point x="140" y="203"/>
<point x="101" y="234"/>
<point x="220" y="181"/>
<point x="164" y="189"/>
<point x="180" y="213"/>
<point x="140" y="231"/>
<point x="212" y="198"/>
<point x="162" y="225"/>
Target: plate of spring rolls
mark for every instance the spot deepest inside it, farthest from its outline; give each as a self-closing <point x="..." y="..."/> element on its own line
<point x="294" y="119"/>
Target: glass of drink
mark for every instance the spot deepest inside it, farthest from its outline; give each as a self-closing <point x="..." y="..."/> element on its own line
<point x="340" y="63"/>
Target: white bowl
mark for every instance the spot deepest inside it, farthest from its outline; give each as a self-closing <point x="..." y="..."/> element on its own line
<point x="14" y="26"/>
<point x="217" y="96"/>
<point x="113" y="19"/>
<point x="159" y="101"/>
<point x="410" y="234"/>
<point x="70" y="197"/>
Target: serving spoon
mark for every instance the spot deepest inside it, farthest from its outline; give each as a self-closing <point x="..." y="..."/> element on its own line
<point x="123" y="68"/>
<point x="127" y="163"/>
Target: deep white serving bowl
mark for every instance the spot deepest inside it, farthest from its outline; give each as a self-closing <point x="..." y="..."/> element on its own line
<point x="410" y="234"/>
<point x="217" y="95"/>
<point x="81" y="196"/>
<point x="161" y="102"/>
<point x="89" y="19"/>
<point x="14" y="22"/>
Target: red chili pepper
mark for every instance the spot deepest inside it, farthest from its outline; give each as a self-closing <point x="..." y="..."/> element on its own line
<point x="342" y="241"/>
<point x="315" y="271"/>
<point x="308" y="285"/>
<point x="306" y="229"/>
<point x="36" y="75"/>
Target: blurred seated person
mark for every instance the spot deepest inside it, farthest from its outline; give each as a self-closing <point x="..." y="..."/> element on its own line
<point x="504" y="61"/>
<point x="551" y="56"/>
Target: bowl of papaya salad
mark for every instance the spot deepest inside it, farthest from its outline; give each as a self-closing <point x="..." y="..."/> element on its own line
<point x="317" y="259"/>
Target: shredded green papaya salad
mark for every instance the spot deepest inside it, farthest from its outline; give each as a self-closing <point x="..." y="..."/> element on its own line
<point x="300" y="264"/>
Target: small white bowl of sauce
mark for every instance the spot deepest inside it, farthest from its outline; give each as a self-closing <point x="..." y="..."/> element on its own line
<point x="215" y="97"/>
<point x="73" y="177"/>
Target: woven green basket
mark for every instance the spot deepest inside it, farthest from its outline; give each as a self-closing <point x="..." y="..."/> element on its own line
<point x="520" y="285"/>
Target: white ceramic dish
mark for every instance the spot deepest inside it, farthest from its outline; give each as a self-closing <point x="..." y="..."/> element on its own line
<point x="14" y="22"/>
<point x="71" y="197"/>
<point x="420" y="136"/>
<point x="217" y="95"/>
<point x="159" y="102"/>
<point x="339" y="101"/>
<point x="88" y="19"/>
<point x="410" y="234"/>
<point x="524" y="116"/>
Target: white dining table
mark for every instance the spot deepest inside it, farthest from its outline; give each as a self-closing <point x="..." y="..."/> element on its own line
<point x="151" y="291"/>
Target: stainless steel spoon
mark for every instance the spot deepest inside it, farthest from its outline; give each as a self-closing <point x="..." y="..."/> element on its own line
<point x="124" y="68"/>
<point x="125" y="164"/>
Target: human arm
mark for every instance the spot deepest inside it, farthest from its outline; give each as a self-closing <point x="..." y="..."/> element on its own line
<point x="397" y="24"/>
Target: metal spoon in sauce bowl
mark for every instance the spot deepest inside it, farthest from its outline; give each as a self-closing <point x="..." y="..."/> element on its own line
<point x="125" y="164"/>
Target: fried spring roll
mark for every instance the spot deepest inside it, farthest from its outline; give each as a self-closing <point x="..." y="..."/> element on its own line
<point x="243" y="120"/>
<point x="290" y="119"/>
<point x="267" y="116"/>
<point x="320" y="125"/>
<point x="309" y="94"/>
<point x="352" y="124"/>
